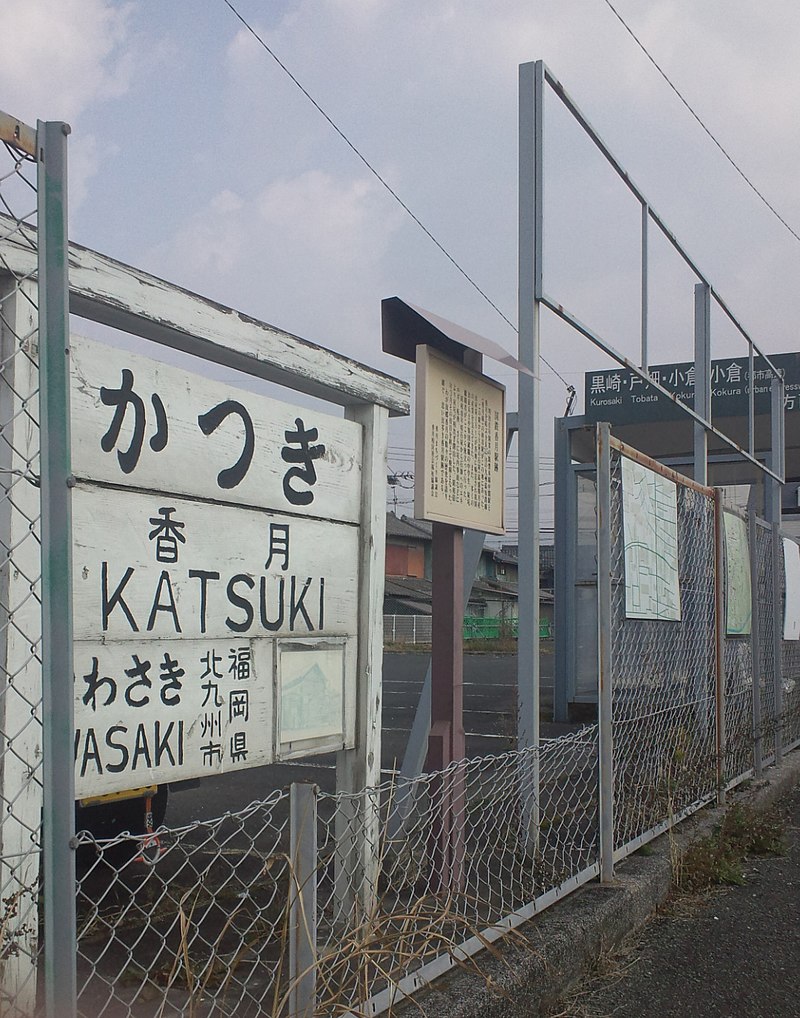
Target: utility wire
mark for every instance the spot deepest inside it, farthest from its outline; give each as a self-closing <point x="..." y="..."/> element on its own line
<point x="696" y="116"/>
<point x="570" y="388"/>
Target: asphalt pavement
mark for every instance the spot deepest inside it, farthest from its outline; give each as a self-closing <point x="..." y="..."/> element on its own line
<point x="490" y="697"/>
<point x="732" y="953"/>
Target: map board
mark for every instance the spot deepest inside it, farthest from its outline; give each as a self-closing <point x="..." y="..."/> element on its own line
<point x="791" y="601"/>
<point x="739" y="600"/>
<point x="459" y="445"/>
<point x="650" y="529"/>
<point x="212" y="530"/>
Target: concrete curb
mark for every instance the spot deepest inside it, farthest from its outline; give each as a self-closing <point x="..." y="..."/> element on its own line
<point x="530" y="970"/>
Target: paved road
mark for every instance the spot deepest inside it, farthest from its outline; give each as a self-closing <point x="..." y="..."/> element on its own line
<point x="732" y="954"/>
<point x="490" y="682"/>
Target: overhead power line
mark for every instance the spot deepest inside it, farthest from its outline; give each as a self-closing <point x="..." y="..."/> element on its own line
<point x="384" y="183"/>
<point x="697" y="117"/>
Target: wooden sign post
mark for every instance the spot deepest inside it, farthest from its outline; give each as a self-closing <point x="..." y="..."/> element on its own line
<point x="459" y="482"/>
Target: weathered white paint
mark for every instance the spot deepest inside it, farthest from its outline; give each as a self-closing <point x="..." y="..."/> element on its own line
<point x="190" y="462"/>
<point x="359" y="769"/>
<point x="20" y="636"/>
<point x="170" y="711"/>
<point x="111" y="528"/>
<point x="126" y="298"/>
<point x="122" y="592"/>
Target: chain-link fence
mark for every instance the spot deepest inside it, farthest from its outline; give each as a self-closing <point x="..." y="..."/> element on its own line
<point x="663" y="676"/>
<point x="20" y="602"/>
<point x="198" y="924"/>
<point x="312" y="903"/>
<point x="696" y="704"/>
<point x="765" y="726"/>
<point x="209" y="921"/>
<point x="789" y="709"/>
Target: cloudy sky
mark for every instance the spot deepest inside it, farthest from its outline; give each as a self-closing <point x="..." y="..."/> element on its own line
<point x="194" y="156"/>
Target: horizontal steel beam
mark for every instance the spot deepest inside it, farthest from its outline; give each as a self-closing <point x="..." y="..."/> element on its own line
<point x="623" y="174"/>
<point x="620" y="358"/>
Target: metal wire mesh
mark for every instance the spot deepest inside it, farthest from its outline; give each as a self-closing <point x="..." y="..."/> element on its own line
<point x="20" y="620"/>
<point x="507" y="848"/>
<point x="790" y="684"/>
<point x="199" y="921"/>
<point x="738" y="685"/>
<point x="663" y="678"/>
<point x="200" y="928"/>
<point x="764" y="610"/>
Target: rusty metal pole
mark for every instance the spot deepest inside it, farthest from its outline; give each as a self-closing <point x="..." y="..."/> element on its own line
<point x="447" y="651"/>
<point x="446" y="740"/>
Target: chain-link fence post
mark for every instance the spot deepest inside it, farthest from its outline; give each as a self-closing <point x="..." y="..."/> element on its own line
<point x="755" y="643"/>
<point x="20" y="704"/>
<point x="605" y="676"/>
<point x="777" y="638"/>
<point x="303" y="900"/>
<point x="778" y="465"/>
<point x="719" y="640"/>
<point x="56" y="480"/>
<point x="20" y="573"/>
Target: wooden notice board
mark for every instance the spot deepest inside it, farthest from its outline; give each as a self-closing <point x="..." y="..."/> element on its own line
<point x="460" y="445"/>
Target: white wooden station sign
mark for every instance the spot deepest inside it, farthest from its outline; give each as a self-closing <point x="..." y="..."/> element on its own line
<point x="215" y="563"/>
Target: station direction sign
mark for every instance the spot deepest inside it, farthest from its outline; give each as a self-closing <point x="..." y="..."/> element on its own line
<point x="215" y="562"/>
<point x="620" y="396"/>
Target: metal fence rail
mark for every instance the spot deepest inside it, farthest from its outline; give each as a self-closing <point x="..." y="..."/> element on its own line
<point x="20" y="598"/>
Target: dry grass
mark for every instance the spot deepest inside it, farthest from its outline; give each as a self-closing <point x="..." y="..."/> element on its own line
<point x="719" y="858"/>
<point x="611" y="965"/>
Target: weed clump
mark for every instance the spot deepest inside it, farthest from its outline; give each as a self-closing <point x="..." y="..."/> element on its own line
<point x="719" y="858"/>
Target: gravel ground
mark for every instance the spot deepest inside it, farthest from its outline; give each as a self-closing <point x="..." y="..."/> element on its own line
<point x="732" y="953"/>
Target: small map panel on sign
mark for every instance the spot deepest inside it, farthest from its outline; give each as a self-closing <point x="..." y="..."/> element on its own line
<point x="650" y="529"/>
<point x="737" y="576"/>
<point x="312" y="694"/>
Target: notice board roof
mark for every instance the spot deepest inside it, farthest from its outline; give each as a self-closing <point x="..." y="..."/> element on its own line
<point x="405" y="326"/>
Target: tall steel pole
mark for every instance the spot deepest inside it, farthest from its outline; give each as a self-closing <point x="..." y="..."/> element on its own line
<point x="57" y="669"/>
<point x="531" y="210"/>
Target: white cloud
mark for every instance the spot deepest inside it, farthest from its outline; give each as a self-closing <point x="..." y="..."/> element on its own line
<point x="58" y="58"/>
<point x="313" y="235"/>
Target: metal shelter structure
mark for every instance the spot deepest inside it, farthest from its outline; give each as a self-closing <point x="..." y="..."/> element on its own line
<point x="765" y="458"/>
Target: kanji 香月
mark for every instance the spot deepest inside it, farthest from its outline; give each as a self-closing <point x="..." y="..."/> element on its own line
<point x="278" y="544"/>
<point x="121" y="399"/>
<point x="167" y="534"/>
